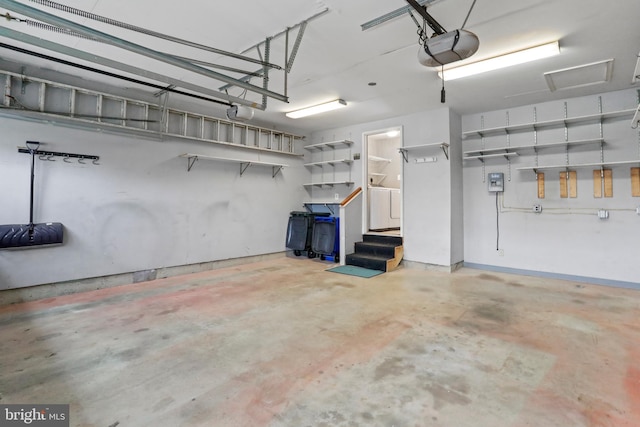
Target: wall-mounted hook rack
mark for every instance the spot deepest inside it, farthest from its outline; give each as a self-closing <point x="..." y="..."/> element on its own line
<point x="48" y="155"/>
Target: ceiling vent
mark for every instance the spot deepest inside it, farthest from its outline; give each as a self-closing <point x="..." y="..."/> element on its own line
<point x="580" y="76"/>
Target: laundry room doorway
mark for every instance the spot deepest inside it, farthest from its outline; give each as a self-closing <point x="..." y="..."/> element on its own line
<point x="382" y="171"/>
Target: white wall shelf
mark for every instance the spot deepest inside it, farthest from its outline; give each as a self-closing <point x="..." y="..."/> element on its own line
<point x="334" y="154"/>
<point x="328" y="184"/>
<point x="580" y="165"/>
<point x="376" y="178"/>
<point x="379" y="159"/>
<point x="506" y="155"/>
<point x="244" y="164"/>
<point x="405" y="150"/>
<point x="534" y="147"/>
<point x="524" y="127"/>
<point x="330" y="144"/>
<point x="329" y="162"/>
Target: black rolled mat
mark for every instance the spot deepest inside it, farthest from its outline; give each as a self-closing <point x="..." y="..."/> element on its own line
<point x="18" y="236"/>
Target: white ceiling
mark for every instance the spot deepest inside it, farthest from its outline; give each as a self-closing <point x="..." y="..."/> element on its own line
<point x="336" y="59"/>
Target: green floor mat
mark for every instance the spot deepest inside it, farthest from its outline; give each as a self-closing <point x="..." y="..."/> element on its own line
<point x="352" y="270"/>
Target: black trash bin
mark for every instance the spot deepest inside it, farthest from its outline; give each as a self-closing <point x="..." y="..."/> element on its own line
<point x="300" y="232"/>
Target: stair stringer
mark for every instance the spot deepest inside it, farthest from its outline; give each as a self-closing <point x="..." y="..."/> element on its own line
<point x="394" y="262"/>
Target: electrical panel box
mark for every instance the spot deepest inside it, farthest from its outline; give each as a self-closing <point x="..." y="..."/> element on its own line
<point x="496" y="182"/>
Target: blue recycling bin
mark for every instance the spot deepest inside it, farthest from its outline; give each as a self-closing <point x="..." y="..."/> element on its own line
<point x="326" y="238"/>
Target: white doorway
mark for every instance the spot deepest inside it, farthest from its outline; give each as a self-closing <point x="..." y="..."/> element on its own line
<point x="382" y="173"/>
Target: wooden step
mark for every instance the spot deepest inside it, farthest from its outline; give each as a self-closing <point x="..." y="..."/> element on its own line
<point x="377" y="252"/>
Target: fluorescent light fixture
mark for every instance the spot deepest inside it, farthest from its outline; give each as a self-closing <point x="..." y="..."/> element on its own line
<point x="317" y="109"/>
<point x="503" y="61"/>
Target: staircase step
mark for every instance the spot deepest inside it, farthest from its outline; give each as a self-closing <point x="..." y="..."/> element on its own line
<point x="367" y="261"/>
<point x="379" y="238"/>
<point x="376" y="249"/>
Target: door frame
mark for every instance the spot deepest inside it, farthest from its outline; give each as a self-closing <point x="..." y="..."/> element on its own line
<point x="365" y="176"/>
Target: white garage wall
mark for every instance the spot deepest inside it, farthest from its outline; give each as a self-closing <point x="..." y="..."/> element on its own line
<point x="427" y="187"/>
<point x="139" y="209"/>
<point x="567" y="238"/>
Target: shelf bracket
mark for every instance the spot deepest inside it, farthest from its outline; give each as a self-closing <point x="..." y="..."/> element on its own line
<point x="275" y="171"/>
<point x="244" y="167"/>
<point x="330" y="209"/>
<point x="405" y="156"/>
<point x="190" y="162"/>
<point x="445" y="150"/>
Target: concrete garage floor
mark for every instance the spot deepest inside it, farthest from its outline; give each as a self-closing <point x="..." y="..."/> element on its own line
<point x="284" y="343"/>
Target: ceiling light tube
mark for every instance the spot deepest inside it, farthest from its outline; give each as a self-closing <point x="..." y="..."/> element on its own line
<point x="317" y="109"/>
<point x="503" y="61"/>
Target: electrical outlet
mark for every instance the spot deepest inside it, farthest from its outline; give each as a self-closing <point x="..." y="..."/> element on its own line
<point x="336" y="196"/>
<point x="537" y="208"/>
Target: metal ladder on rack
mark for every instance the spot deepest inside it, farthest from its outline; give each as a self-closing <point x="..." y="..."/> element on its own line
<point x="56" y="102"/>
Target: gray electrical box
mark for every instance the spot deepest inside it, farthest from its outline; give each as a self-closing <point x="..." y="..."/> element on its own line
<point x="496" y="182"/>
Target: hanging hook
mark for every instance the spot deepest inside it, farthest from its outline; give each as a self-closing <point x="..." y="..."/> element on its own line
<point x="50" y="158"/>
<point x="95" y="161"/>
<point x="66" y="159"/>
<point x="81" y="160"/>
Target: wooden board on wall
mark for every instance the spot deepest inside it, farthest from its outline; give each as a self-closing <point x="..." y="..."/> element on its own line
<point x="568" y="184"/>
<point x="573" y="184"/>
<point x="597" y="183"/>
<point x="540" y="177"/>
<point x="608" y="183"/>
<point x="564" y="190"/>
<point x="635" y="182"/>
